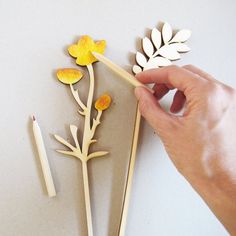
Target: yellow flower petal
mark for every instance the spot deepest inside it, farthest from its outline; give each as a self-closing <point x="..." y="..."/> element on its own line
<point x="100" y="46"/>
<point x="74" y="50"/>
<point x="103" y="102"/>
<point x="82" y="51"/>
<point x="69" y="76"/>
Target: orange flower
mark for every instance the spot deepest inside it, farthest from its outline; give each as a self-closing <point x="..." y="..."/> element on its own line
<point x="69" y="76"/>
<point x="82" y="50"/>
<point x="103" y="102"/>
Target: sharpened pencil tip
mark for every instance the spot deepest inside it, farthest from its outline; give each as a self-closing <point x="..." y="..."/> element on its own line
<point x="33" y="118"/>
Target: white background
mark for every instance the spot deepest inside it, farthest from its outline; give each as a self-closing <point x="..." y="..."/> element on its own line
<point x="32" y="35"/>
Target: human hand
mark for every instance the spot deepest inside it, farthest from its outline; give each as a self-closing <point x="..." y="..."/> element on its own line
<point x="202" y="142"/>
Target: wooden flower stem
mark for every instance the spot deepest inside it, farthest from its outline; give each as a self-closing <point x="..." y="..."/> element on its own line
<point x="87" y="122"/>
<point x="85" y="149"/>
<point x="87" y="198"/>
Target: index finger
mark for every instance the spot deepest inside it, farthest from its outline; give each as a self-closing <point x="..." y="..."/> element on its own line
<point x="178" y="77"/>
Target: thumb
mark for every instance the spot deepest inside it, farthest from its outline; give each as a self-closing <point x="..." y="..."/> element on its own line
<point x="151" y="109"/>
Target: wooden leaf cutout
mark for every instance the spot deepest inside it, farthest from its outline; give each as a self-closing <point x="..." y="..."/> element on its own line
<point x="169" y="52"/>
<point x="137" y="69"/>
<point x="148" y="47"/>
<point x="69" y="153"/>
<point x="63" y="141"/>
<point x="181" y="36"/>
<point x="161" y="61"/>
<point x="97" y="154"/>
<point x="156" y="38"/>
<point x="166" y="33"/>
<point x="180" y="47"/>
<point x="150" y="65"/>
<point x="157" y="62"/>
<point x="162" y="48"/>
<point x="141" y="59"/>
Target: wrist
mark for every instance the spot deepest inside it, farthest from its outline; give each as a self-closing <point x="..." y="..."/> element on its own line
<point x="219" y="193"/>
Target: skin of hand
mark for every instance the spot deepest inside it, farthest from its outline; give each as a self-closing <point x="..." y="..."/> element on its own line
<point x="202" y="141"/>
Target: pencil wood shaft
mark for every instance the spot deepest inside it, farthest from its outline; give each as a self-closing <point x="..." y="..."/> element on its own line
<point x="43" y="160"/>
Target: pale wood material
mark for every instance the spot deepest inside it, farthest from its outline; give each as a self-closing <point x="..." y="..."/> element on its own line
<point x="148" y="47"/>
<point x="166" y="32"/>
<point x="87" y="198"/>
<point x="128" y="188"/>
<point x="156" y="38"/>
<point x="141" y="59"/>
<point x="181" y="36"/>
<point x="161" y="48"/>
<point x="43" y="159"/>
<point x="137" y="69"/>
<point x="117" y="69"/>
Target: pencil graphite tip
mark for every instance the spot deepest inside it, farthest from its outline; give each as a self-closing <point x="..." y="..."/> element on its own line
<point x="33" y="118"/>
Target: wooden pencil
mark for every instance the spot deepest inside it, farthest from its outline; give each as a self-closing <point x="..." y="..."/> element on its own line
<point x="43" y="159"/>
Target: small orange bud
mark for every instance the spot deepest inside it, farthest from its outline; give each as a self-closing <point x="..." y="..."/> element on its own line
<point x="103" y="102"/>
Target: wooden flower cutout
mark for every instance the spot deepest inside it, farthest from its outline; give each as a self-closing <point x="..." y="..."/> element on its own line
<point x="80" y="149"/>
<point x="103" y="102"/>
<point x="82" y="50"/>
<point x="69" y="76"/>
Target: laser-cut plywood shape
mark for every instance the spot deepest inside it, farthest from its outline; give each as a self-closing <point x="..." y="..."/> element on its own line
<point x="82" y="52"/>
<point x="162" y="48"/>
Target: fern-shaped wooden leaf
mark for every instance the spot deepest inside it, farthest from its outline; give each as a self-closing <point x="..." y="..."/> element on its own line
<point x="141" y="59"/>
<point x="148" y="47"/>
<point x="156" y="38"/>
<point x="169" y="52"/>
<point x="166" y="33"/>
<point x="181" y="36"/>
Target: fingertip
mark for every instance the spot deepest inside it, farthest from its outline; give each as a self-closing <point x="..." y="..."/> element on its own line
<point x="146" y="76"/>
